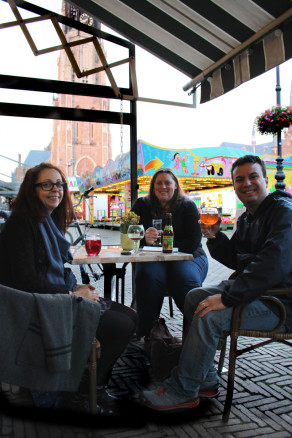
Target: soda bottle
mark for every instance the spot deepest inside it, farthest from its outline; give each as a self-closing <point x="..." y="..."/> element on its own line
<point x="167" y="237"/>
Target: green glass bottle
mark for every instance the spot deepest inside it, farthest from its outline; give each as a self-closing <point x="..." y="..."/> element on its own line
<point x="167" y="238"/>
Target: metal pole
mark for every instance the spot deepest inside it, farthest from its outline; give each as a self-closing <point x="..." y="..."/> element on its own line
<point x="133" y="153"/>
<point x="133" y="141"/>
<point x="280" y="175"/>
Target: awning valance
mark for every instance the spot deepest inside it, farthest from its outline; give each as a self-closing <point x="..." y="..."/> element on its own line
<point x="218" y="44"/>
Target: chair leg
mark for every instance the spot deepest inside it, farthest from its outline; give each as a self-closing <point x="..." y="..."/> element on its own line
<point x="123" y="290"/>
<point x="92" y="376"/>
<point x="120" y="280"/>
<point x="231" y="374"/>
<point x="117" y="287"/>
<point x="222" y="356"/>
<point x="170" y="307"/>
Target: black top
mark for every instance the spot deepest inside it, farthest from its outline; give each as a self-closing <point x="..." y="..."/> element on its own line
<point x="186" y="229"/>
<point x="23" y="260"/>
<point x="259" y="251"/>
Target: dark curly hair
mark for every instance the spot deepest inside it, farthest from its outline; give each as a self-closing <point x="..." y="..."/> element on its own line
<point x="155" y="205"/>
<point x="27" y="201"/>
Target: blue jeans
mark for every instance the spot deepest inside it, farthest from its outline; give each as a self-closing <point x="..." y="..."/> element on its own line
<point x="196" y="368"/>
<point x="156" y="279"/>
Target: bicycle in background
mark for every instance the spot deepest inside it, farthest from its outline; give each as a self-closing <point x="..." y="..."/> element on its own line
<point x="109" y="271"/>
<point x="80" y="240"/>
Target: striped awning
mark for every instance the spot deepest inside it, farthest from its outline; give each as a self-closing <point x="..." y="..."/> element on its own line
<point x="219" y="44"/>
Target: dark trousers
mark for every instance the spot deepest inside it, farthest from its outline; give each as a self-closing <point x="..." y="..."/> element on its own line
<point x="115" y="329"/>
<point x="154" y="280"/>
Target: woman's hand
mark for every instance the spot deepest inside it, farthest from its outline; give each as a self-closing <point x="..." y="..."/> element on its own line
<point x="213" y="302"/>
<point x="86" y="291"/>
<point x="151" y="235"/>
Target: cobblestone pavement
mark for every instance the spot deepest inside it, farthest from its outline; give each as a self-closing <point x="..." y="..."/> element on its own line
<point x="261" y="403"/>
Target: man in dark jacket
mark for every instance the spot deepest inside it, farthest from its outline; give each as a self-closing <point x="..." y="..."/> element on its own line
<point x="260" y="253"/>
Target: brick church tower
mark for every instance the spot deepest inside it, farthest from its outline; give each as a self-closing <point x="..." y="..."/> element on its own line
<point x="78" y="147"/>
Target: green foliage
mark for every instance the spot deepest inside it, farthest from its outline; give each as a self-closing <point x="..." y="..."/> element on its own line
<point x="130" y="218"/>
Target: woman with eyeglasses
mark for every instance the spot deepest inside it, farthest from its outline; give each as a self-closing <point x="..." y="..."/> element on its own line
<point x="33" y="251"/>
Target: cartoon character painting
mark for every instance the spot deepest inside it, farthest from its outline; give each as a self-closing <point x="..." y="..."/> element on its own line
<point x="196" y="161"/>
<point x="176" y="160"/>
<point x="213" y="166"/>
<point x="183" y="164"/>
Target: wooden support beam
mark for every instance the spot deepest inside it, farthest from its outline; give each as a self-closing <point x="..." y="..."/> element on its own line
<point x="106" y="67"/>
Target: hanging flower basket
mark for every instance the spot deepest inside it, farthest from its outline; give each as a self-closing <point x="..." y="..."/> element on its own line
<point x="274" y="120"/>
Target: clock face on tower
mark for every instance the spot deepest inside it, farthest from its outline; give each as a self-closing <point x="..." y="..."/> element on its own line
<point x="85" y="19"/>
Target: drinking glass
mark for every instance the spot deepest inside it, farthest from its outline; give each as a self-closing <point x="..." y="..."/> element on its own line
<point x="157" y="223"/>
<point x="209" y="216"/>
<point x="136" y="233"/>
<point x="92" y="244"/>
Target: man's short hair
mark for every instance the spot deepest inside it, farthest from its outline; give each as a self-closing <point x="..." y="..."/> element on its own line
<point x="249" y="159"/>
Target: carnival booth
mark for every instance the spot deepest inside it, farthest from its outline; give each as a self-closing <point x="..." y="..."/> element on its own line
<point x="204" y="175"/>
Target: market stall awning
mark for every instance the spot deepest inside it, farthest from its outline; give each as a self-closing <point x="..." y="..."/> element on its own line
<point x="218" y="44"/>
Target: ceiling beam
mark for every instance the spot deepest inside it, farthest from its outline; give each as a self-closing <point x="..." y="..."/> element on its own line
<point x="60" y="87"/>
<point x="61" y="113"/>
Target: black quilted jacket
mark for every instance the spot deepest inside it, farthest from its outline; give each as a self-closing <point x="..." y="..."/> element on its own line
<point x="260" y="251"/>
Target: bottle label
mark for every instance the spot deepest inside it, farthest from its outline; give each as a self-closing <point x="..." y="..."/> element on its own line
<point x="167" y="243"/>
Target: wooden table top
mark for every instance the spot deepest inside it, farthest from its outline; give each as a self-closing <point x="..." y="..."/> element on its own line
<point x="113" y="254"/>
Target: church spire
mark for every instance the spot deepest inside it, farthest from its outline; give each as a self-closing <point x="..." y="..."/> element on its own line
<point x="253" y="140"/>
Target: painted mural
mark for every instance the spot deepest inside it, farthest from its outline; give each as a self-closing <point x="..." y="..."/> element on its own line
<point x="212" y="162"/>
<point x="198" y="162"/>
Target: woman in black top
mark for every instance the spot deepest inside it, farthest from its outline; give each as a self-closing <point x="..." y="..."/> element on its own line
<point x="177" y="278"/>
<point x="33" y="251"/>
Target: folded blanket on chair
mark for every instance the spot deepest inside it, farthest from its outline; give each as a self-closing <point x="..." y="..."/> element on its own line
<point x="52" y="325"/>
<point x="45" y="339"/>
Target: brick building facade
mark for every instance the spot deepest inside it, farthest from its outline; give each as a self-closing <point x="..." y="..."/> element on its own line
<point x="78" y="147"/>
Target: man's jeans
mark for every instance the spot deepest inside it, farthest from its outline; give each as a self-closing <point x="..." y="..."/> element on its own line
<point x="154" y="280"/>
<point x="196" y="368"/>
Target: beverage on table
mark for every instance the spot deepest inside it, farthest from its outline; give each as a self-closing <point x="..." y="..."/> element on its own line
<point x="93" y="244"/>
<point x="157" y="223"/>
<point x="136" y="233"/>
<point x="167" y="237"/>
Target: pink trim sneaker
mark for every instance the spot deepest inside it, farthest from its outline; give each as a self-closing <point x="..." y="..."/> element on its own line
<point x="209" y="394"/>
<point x="161" y="400"/>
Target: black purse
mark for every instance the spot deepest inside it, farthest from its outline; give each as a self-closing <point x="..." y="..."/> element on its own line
<point x="163" y="349"/>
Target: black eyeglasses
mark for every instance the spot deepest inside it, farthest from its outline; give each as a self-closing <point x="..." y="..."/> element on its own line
<point x="48" y="185"/>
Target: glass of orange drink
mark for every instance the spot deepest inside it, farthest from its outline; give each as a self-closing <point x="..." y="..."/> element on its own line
<point x="209" y="216"/>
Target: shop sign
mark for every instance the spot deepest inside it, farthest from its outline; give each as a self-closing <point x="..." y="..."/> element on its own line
<point x="72" y="184"/>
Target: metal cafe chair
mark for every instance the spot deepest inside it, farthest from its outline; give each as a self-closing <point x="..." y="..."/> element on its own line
<point x="9" y="299"/>
<point x="236" y="331"/>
